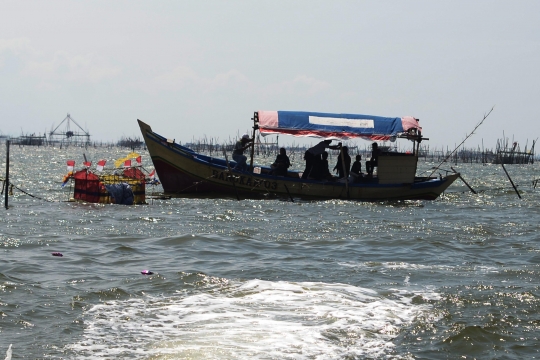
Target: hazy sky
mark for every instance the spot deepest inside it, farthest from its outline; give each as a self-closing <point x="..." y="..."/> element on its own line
<point x="194" y="69"/>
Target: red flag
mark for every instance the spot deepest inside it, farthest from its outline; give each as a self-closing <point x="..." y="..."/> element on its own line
<point x="70" y="165"/>
<point x="87" y="164"/>
<point x="127" y="163"/>
<point x="139" y="160"/>
<point x="152" y="174"/>
<point x="101" y="164"/>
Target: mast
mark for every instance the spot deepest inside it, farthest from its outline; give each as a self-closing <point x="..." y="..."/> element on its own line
<point x="255" y="127"/>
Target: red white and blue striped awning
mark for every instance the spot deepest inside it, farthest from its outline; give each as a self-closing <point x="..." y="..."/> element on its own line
<point x="334" y="126"/>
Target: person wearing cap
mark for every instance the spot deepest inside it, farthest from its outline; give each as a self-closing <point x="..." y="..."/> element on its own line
<point x="238" y="152"/>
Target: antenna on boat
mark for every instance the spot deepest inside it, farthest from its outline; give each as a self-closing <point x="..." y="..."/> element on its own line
<point x="457" y="147"/>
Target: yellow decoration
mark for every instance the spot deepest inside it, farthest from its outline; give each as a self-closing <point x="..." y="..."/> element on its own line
<point x="132" y="155"/>
<point x="119" y="162"/>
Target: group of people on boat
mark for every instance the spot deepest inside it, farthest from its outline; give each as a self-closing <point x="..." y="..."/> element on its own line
<point x="317" y="163"/>
<point x="316" y="159"/>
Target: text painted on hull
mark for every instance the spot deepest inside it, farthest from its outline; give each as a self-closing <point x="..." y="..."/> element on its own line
<point x="245" y="180"/>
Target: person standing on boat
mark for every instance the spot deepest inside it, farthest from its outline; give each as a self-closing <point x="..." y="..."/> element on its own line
<point x="314" y="153"/>
<point x="320" y="170"/>
<point x="238" y="152"/>
<point x="343" y="171"/>
<point x="371" y="164"/>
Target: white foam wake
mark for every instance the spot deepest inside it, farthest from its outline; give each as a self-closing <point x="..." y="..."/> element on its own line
<point x="251" y="320"/>
<point x="9" y="353"/>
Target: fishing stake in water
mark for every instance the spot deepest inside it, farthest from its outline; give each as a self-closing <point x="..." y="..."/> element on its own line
<point x="462" y="179"/>
<point x="286" y="188"/>
<point x="7" y="173"/>
<point x="509" y="178"/>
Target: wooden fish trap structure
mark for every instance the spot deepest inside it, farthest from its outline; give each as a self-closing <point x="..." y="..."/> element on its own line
<point x="69" y="135"/>
<point x="512" y="154"/>
<point x="30" y="140"/>
<point x="131" y="143"/>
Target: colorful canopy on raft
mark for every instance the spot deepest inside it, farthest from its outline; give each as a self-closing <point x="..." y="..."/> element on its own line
<point x="338" y="126"/>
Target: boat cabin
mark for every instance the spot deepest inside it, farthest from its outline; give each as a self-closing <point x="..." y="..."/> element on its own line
<point x="396" y="168"/>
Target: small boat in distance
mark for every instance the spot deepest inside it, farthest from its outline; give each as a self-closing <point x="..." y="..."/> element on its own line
<point x="184" y="171"/>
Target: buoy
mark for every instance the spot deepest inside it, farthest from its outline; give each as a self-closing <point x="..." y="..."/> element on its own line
<point x="147" y="272"/>
<point x="57" y="254"/>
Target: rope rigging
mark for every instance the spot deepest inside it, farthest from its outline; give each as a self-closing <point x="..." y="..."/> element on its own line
<point x="12" y="186"/>
<point x="457" y="147"/>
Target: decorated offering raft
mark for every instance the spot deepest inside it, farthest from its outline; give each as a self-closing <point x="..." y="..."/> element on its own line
<point x="125" y="186"/>
<point x="184" y="171"/>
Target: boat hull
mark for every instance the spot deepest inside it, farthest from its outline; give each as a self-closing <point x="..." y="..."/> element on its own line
<point x="183" y="171"/>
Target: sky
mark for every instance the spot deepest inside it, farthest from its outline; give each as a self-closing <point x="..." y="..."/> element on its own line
<point x="199" y="69"/>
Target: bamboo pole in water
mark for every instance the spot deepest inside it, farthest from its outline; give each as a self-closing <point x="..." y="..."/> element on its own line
<point x="509" y="178"/>
<point x="7" y="173"/>
<point x="462" y="179"/>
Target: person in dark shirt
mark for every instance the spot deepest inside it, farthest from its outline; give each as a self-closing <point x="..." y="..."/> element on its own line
<point x="238" y="152"/>
<point x="371" y="164"/>
<point x="281" y="164"/>
<point x="320" y="169"/>
<point x="343" y="171"/>
<point x="356" y="169"/>
<point x="313" y="154"/>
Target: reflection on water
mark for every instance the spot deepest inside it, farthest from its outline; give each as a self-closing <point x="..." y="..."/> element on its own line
<point x="269" y="279"/>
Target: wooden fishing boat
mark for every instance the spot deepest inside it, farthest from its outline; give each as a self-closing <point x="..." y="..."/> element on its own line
<point x="184" y="171"/>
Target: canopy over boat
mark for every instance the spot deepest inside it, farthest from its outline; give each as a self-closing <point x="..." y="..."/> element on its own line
<point x="334" y="126"/>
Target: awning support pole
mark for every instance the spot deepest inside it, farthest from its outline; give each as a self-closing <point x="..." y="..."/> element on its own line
<point x="255" y="127"/>
<point x="345" y="171"/>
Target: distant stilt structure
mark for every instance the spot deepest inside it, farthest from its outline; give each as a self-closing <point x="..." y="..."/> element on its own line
<point x="68" y="136"/>
<point x="130" y="143"/>
<point x="512" y="154"/>
<point x="30" y="140"/>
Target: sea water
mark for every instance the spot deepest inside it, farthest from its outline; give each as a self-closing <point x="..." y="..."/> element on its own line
<point x="454" y="278"/>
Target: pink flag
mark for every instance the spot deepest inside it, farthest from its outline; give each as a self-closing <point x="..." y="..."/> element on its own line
<point x="127" y="163"/>
<point x="139" y="160"/>
<point x="70" y="165"/>
<point x="87" y="164"/>
<point x="100" y="165"/>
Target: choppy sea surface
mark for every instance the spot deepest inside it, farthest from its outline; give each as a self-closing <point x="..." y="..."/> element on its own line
<point x="454" y="278"/>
